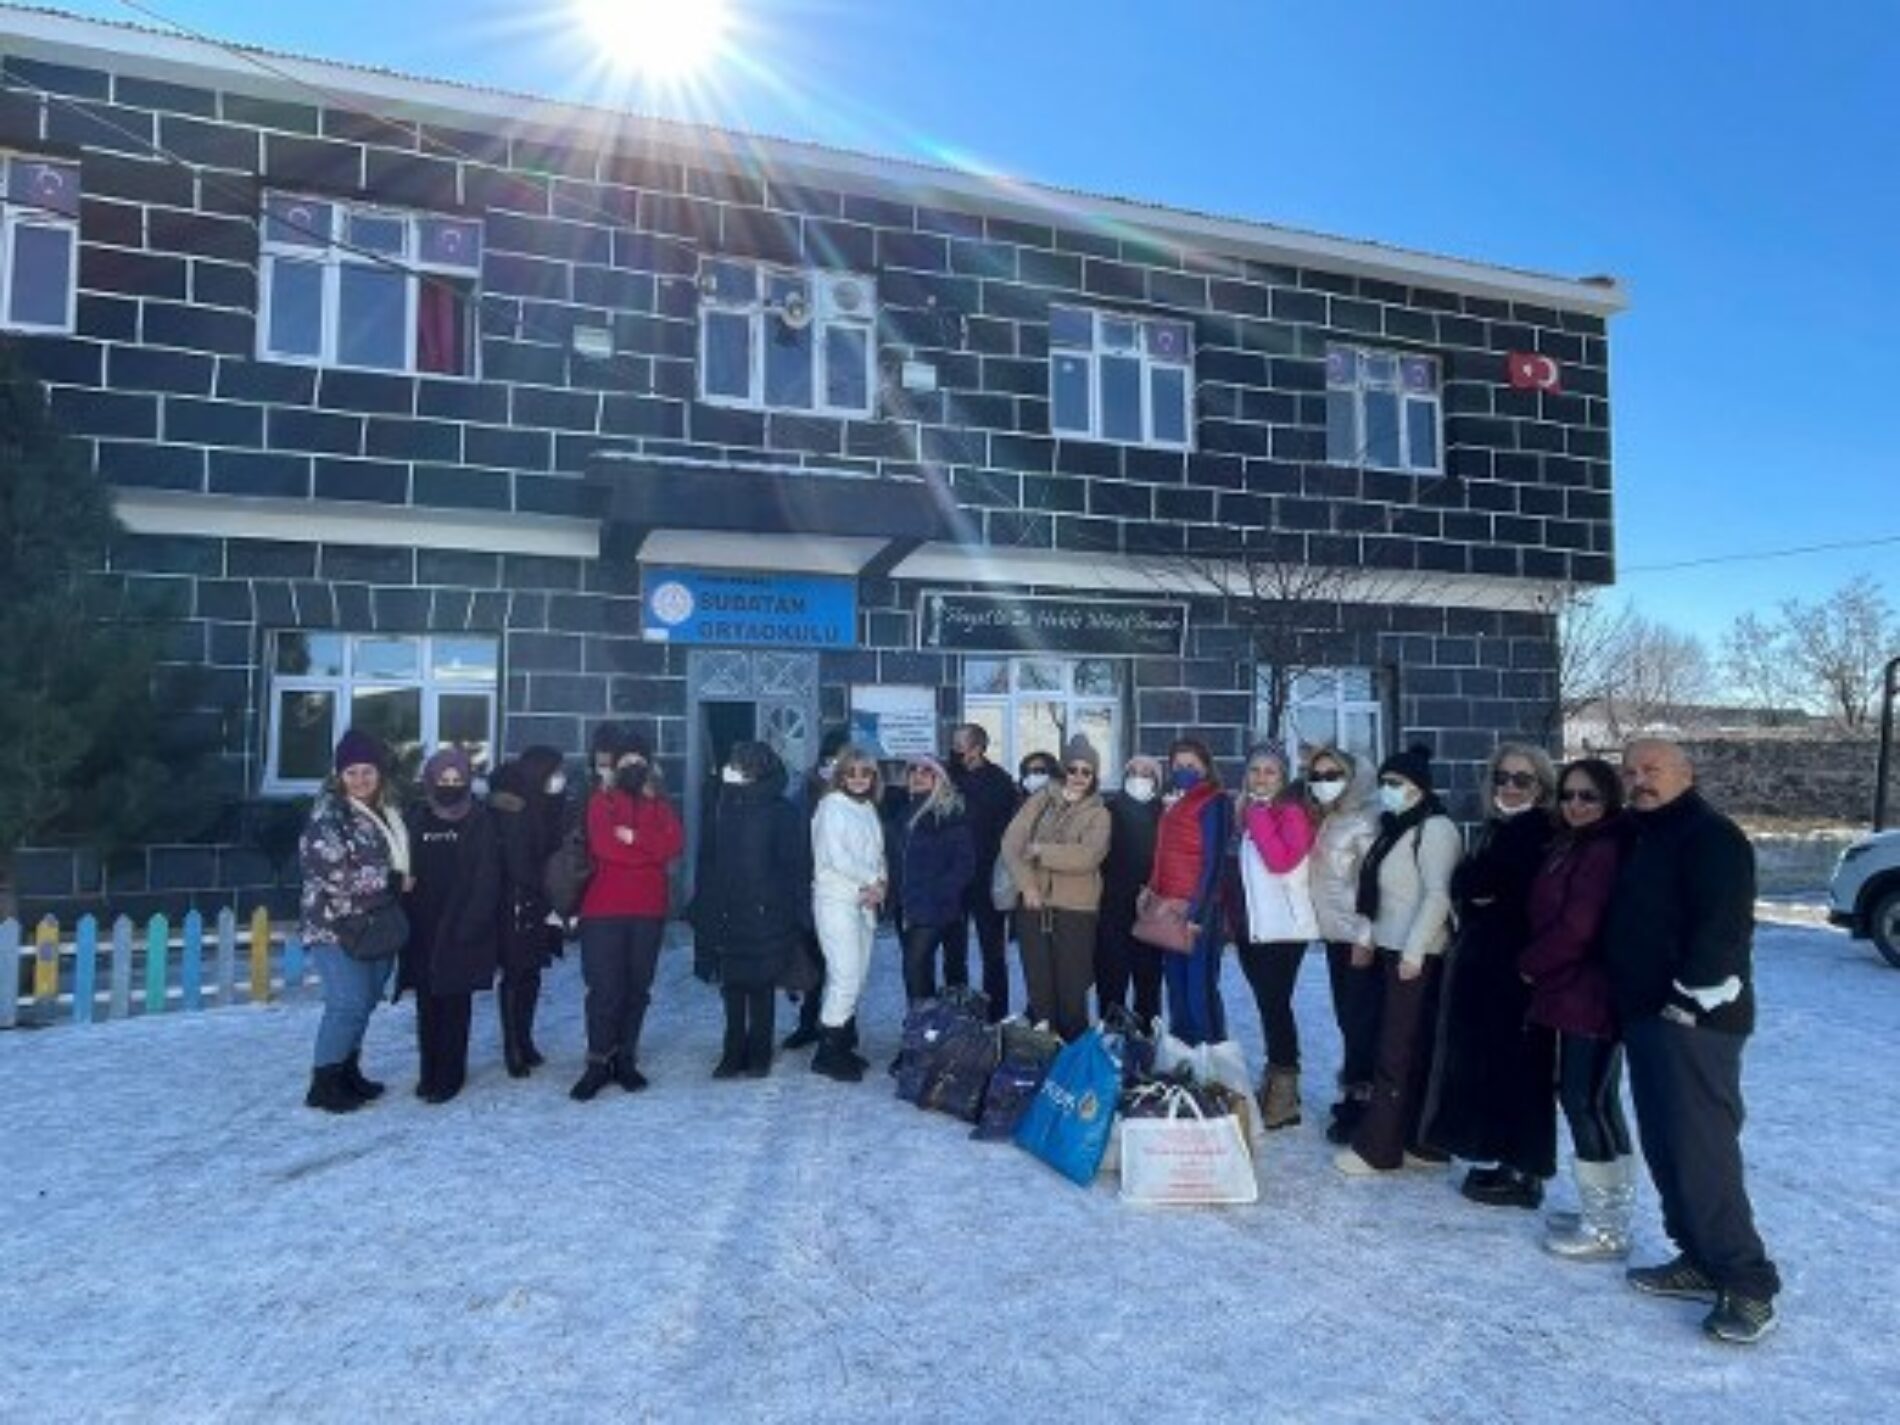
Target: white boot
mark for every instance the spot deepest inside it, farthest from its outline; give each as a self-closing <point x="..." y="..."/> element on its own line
<point x="1607" y="1194"/>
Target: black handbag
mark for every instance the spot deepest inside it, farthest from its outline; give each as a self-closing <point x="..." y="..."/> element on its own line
<point x="373" y="934"/>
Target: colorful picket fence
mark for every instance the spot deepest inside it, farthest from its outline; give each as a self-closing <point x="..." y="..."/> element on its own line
<point x="89" y="978"/>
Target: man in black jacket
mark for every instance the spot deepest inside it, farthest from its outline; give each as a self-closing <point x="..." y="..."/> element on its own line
<point x="1677" y="947"/>
<point x="989" y="801"/>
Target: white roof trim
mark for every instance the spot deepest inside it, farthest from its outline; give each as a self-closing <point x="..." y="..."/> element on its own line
<point x="778" y="553"/>
<point x="337" y="522"/>
<point x="150" y="53"/>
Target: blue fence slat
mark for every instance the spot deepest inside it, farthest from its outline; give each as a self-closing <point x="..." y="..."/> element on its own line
<point x="191" y="968"/>
<point x="227" y="957"/>
<point x="85" y="968"/>
<point x="10" y="970"/>
<point x="158" y="937"/>
<point x="121" y="968"/>
<point x="293" y="964"/>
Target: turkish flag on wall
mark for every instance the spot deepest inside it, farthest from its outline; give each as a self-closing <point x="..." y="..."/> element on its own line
<point x="1531" y="372"/>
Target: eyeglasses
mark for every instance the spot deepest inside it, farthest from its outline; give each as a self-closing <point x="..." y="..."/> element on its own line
<point x="1080" y="769"/>
<point x="1523" y="781"/>
<point x="1325" y="776"/>
<point x="1589" y="796"/>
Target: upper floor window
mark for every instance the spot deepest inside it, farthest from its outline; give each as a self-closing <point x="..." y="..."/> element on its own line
<point x="39" y="244"/>
<point x="1382" y="408"/>
<point x="415" y="693"/>
<point x="1037" y="704"/>
<point x="1324" y="707"/>
<point x="348" y="284"/>
<point x="784" y="340"/>
<point x="1128" y="379"/>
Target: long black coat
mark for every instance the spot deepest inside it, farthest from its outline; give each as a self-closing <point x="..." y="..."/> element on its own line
<point x="528" y="826"/>
<point x="1132" y="829"/>
<point x="454" y="909"/>
<point x="990" y="799"/>
<point x="752" y="898"/>
<point x="1490" y="1098"/>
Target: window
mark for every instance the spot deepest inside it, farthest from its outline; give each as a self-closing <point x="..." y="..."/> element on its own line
<point x="1127" y="379"/>
<point x="414" y="693"/>
<point x="39" y="244"/>
<point x="1382" y="409"/>
<point x="1344" y="707"/>
<point x="350" y="285"/>
<point x="1037" y="704"/>
<point x="783" y="340"/>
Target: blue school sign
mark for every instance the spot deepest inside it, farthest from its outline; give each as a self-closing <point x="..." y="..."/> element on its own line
<point x="751" y="610"/>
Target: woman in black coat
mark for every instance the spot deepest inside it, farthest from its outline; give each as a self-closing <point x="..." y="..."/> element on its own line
<point x="751" y="901"/>
<point x="454" y="919"/>
<point x="1490" y="1096"/>
<point x="529" y="803"/>
<point x="1134" y="817"/>
<point x="932" y="859"/>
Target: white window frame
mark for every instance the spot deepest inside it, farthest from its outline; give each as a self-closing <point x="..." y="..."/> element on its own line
<point x="16" y="217"/>
<point x="342" y="686"/>
<point x="1148" y="362"/>
<point x="761" y="312"/>
<point x="1359" y="384"/>
<point x="1318" y="721"/>
<point x="1004" y="751"/>
<point x="337" y="254"/>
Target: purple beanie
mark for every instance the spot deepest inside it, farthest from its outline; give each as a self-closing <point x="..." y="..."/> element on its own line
<point x="360" y="749"/>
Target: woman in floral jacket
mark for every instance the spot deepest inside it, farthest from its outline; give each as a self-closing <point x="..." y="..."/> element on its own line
<point x="354" y="855"/>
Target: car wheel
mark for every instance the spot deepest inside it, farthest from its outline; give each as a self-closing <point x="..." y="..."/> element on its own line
<point x="1883" y="926"/>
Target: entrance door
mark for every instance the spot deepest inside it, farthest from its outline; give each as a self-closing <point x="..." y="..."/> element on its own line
<point x="746" y="695"/>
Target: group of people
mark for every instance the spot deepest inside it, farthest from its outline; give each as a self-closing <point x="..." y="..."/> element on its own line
<point x="1599" y="915"/>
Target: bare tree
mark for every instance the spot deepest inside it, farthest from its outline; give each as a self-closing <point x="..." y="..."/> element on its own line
<point x="1839" y="646"/>
<point x="1661" y="677"/>
<point x="1591" y="633"/>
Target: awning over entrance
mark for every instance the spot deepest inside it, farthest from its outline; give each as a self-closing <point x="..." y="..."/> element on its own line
<point x="804" y="519"/>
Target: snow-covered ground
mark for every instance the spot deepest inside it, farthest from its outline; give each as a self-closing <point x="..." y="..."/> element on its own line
<point x="181" y="1240"/>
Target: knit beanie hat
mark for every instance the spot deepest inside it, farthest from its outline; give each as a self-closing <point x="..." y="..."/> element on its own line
<point x="1142" y="765"/>
<point x="448" y="759"/>
<point x="360" y="749"/>
<point x="1414" y="764"/>
<point x="1080" y="749"/>
<point x="635" y="744"/>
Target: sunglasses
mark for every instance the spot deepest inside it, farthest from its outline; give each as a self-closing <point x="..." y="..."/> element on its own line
<point x="1080" y="769"/>
<point x="1325" y="776"/>
<point x="1523" y="781"/>
<point x="1589" y="796"/>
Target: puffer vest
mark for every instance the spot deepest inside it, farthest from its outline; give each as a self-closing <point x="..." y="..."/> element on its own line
<point x="1180" y="857"/>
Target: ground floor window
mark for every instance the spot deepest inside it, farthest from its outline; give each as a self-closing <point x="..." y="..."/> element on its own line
<point x="416" y="693"/>
<point x="1343" y="707"/>
<point x="1037" y="704"/>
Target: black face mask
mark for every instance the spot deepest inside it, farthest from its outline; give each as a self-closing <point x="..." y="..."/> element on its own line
<point x="631" y="779"/>
<point x="449" y="796"/>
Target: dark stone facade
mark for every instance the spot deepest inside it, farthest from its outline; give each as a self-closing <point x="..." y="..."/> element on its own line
<point x="160" y="386"/>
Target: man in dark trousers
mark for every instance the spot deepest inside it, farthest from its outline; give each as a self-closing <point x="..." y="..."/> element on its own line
<point x="1677" y="945"/>
<point x="989" y="801"/>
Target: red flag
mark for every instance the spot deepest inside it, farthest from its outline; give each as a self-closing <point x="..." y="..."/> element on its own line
<point x="1530" y="371"/>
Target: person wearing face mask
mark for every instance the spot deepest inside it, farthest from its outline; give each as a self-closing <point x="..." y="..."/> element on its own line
<point x="849" y="884"/>
<point x="1035" y="773"/>
<point x="751" y="901"/>
<point x="634" y="836"/>
<point x="354" y="857"/>
<point x="1405" y="895"/>
<point x="1054" y="849"/>
<point x="454" y="914"/>
<point x="989" y="801"/>
<point x="1276" y="840"/>
<point x="1489" y="1100"/>
<point x="1121" y="960"/>
<point x="1190" y="848"/>
<point x="1339" y="798"/>
<point x="528" y="800"/>
<point x="812" y="788"/>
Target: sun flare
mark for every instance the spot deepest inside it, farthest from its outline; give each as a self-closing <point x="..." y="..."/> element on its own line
<point x="662" y="39"/>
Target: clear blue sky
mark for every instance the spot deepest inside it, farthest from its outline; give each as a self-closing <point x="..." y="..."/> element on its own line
<point x="1735" y="166"/>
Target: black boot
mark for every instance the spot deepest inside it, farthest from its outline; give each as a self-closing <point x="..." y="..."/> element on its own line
<point x="851" y="1044"/>
<point x="511" y="1051"/>
<point x="807" y="1031"/>
<point x="599" y="1073"/>
<point x="353" y="1080"/>
<point x="329" y="1092"/>
<point x="834" y="1059"/>
<point x="732" y="1052"/>
<point x="758" y="1037"/>
<point x="1509" y="1188"/>
<point x="527" y="995"/>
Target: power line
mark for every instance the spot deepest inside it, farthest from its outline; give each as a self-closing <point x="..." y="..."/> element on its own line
<point x="1785" y="552"/>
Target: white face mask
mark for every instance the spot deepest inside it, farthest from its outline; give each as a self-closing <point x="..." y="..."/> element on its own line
<point x="732" y="776"/>
<point x="557" y="784"/>
<point x="1035" y="782"/>
<point x="1326" y="793"/>
<point x="1141" y="789"/>
<point x="1395" y="799"/>
<point x="1499" y="806"/>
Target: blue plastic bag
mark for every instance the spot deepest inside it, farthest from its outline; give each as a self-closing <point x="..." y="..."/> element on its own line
<point x="1067" y="1126"/>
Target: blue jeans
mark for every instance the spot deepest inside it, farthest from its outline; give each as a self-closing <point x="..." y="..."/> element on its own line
<point x="351" y="989"/>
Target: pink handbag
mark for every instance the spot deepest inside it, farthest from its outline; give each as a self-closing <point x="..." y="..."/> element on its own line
<point x="1162" y="921"/>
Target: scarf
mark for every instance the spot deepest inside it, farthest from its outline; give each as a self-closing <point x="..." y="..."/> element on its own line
<point x="1391" y="830"/>
<point x="395" y="834"/>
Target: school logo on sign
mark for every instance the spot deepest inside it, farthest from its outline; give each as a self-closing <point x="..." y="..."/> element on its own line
<point x="672" y="603"/>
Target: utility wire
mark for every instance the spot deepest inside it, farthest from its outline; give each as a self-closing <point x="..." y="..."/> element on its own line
<point x="1784" y="552"/>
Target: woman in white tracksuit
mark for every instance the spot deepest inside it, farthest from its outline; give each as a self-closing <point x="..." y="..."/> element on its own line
<point x="848" y="886"/>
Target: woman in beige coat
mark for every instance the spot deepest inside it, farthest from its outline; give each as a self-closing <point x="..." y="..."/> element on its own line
<point x="1054" y="849"/>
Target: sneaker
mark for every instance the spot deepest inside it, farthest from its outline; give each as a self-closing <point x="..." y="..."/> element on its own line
<point x="1739" y="1320"/>
<point x="1676" y="1277"/>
